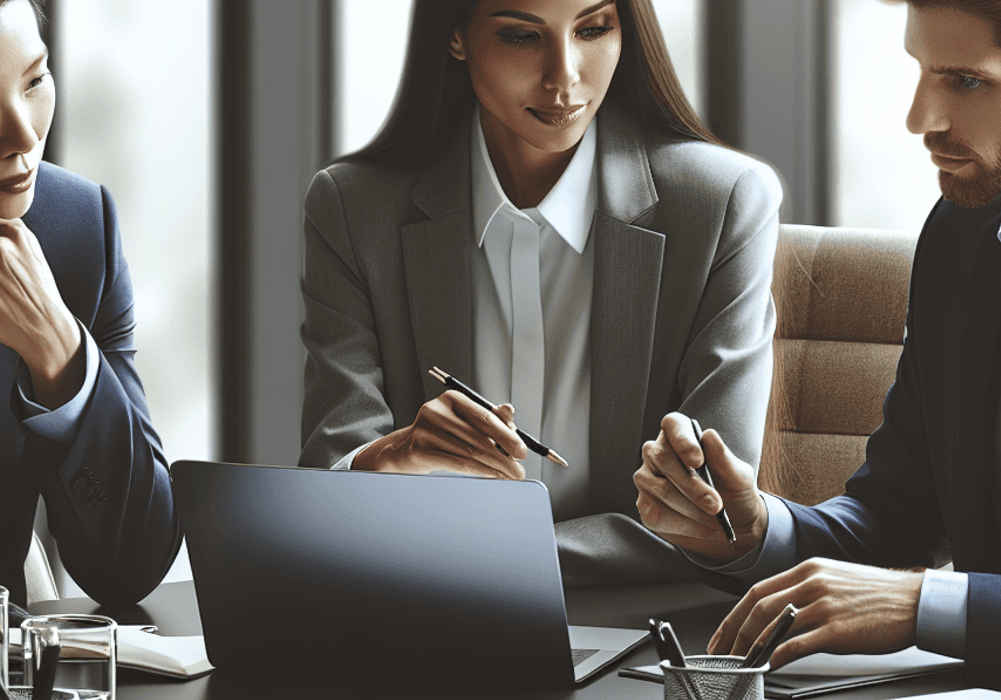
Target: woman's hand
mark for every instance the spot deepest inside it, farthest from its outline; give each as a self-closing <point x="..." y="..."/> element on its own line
<point x="450" y="433"/>
<point x="677" y="505"/>
<point x="34" y="320"/>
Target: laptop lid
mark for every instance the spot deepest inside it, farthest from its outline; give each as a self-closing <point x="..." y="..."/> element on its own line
<point x="439" y="578"/>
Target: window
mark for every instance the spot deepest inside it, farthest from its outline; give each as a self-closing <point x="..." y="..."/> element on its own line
<point x="133" y="89"/>
<point x="881" y="173"/>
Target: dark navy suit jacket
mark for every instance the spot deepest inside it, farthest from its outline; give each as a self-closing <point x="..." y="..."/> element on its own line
<point x="929" y="481"/>
<point x="107" y="492"/>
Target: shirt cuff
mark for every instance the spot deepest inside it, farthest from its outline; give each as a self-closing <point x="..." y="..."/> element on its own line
<point x="941" y="626"/>
<point x="776" y="551"/>
<point x="345" y="462"/>
<point x="62" y="423"/>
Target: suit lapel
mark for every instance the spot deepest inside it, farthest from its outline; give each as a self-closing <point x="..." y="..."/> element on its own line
<point x="977" y="411"/>
<point x="436" y="260"/>
<point x="627" y="268"/>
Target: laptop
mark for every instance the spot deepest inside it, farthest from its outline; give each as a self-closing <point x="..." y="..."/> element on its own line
<point x="439" y="579"/>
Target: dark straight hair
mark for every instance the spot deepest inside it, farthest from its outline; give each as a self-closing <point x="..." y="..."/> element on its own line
<point x="435" y="90"/>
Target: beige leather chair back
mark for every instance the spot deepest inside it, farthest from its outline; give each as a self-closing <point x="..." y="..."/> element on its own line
<point x="841" y="298"/>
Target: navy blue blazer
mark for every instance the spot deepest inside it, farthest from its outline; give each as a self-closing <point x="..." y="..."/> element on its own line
<point x="929" y="481"/>
<point x="107" y="493"/>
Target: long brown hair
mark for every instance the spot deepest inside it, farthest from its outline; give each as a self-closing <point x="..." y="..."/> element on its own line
<point x="435" y="90"/>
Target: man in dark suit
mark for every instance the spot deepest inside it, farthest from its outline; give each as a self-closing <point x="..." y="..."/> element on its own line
<point x="76" y="429"/>
<point x="932" y="477"/>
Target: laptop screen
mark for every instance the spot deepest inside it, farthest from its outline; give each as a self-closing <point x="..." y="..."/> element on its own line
<point x="443" y="578"/>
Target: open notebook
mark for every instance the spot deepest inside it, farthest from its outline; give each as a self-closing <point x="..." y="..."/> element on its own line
<point x="177" y="657"/>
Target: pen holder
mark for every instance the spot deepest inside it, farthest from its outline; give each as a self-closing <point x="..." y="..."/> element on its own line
<point x="713" y="678"/>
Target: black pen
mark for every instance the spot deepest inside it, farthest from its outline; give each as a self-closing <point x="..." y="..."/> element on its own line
<point x="530" y="442"/>
<point x="758" y="655"/>
<point x="45" y="675"/>
<point x="666" y="643"/>
<point x="703" y="472"/>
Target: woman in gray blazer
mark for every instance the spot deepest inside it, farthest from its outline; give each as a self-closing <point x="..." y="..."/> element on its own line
<point x="554" y="132"/>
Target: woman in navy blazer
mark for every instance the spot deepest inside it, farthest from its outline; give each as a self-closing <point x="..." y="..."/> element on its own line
<point x="76" y="429"/>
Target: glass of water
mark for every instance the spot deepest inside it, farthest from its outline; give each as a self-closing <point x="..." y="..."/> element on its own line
<point x="76" y="654"/>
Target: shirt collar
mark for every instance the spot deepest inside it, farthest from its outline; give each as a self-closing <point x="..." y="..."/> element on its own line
<point x="568" y="208"/>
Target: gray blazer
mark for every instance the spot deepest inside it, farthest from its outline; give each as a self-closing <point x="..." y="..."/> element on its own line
<point x="684" y="235"/>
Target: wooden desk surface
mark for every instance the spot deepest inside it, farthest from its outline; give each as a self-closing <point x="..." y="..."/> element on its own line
<point x="693" y="610"/>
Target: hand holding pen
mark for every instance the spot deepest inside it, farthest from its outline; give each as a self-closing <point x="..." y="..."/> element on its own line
<point x="694" y="511"/>
<point x="532" y="444"/>
<point x="450" y="433"/>
<point x="704" y="474"/>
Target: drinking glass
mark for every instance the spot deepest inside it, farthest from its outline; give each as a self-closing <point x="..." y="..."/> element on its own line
<point x="83" y="650"/>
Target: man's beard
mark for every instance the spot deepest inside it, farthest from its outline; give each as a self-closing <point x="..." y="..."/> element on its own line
<point x="972" y="191"/>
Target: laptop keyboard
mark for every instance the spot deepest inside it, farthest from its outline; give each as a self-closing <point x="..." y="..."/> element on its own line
<point x="579" y="655"/>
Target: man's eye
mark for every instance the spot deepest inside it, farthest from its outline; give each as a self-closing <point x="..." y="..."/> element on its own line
<point x="968" y="82"/>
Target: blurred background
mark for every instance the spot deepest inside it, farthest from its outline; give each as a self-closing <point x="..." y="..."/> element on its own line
<point x="207" y="119"/>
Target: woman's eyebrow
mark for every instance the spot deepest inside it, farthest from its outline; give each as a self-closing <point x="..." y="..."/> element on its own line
<point x="44" y="54"/>
<point x="535" y="19"/>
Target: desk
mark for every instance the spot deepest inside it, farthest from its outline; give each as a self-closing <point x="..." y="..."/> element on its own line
<point x="693" y="609"/>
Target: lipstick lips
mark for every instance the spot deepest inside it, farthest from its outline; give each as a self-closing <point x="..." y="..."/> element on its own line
<point x="558" y="116"/>
<point x="18" y="184"/>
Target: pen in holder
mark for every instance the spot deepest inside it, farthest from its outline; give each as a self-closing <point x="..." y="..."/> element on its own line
<point x="713" y="678"/>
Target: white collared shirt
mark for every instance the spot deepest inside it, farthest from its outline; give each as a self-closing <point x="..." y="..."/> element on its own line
<point x="563" y="221"/>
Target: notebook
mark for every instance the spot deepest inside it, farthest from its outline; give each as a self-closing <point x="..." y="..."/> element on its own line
<point x="435" y="579"/>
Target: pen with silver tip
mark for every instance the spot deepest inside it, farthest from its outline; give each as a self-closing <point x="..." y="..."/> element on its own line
<point x="530" y="442"/>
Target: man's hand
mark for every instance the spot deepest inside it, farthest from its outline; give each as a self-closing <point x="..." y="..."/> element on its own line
<point x="34" y="320"/>
<point x="677" y="505"/>
<point x="843" y="609"/>
<point x="451" y="433"/>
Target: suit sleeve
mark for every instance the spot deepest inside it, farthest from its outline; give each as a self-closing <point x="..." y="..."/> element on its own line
<point x="889" y="515"/>
<point x="343" y="403"/>
<point x="108" y="491"/>
<point x="725" y="374"/>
